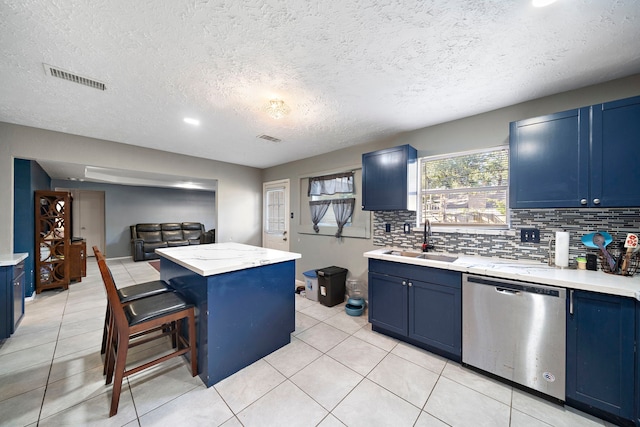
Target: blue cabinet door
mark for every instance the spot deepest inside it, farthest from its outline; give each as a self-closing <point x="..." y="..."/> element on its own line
<point x="388" y="303"/>
<point x="435" y="316"/>
<point x="389" y="179"/>
<point x="6" y="302"/>
<point x="549" y="163"/>
<point x="615" y="152"/>
<point x="600" y="352"/>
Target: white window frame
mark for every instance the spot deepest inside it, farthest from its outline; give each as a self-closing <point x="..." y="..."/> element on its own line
<point x="462" y="227"/>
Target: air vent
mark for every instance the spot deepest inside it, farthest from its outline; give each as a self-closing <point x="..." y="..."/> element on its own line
<point x="66" y="75"/>
<point x="269" y="138"/>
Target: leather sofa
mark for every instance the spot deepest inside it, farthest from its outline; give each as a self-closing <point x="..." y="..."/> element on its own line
<point x="146" y="238"/>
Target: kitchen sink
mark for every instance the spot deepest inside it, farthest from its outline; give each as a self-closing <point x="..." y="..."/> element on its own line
<point x="422" y="255"/>
<point x="435" y="257"/>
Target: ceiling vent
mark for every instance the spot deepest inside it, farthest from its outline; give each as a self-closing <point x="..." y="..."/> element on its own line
<point x="66" y="75"/>
<point x="269" y="138"/>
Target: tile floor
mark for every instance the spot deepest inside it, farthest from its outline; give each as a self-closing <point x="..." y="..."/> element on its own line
<point x="335" y="372"/>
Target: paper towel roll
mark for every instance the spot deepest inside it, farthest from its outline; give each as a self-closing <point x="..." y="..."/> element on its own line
<point x="562" y="249"/>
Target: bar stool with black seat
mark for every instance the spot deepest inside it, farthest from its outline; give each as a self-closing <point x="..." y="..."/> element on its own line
<point x="165" y="312"/>
<point x="128" y="294"/>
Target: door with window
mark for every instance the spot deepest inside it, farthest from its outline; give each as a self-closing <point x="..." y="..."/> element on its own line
<point x="275" y="215"/>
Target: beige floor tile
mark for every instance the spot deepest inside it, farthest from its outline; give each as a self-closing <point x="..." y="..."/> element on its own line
<point x="22" y="409"/>
<point x="358" y="355"/>
<point x="520" y="419"/>
<point x="478" y="382"/>
<point x="379" y="340"/>
<point x="409" y="381"/>
<point x="321" y="312"/>
<point x="23" y="380"/>
<point x="79" y="342"/>
<point x="292" y="357"/>
<point x="198" y="407"/>
<point x="19" y="360"/>
<point x="420" y="357"/>
<point x="346" y="323"/>
<point x="323" y="337"/>
<point x="551" y="413"/>
<point x="285" y="405"/>
<point x="248" y="385"/>
<point x="371" y="405"/>
<point x="304" y="322"/>
<point x="161" y="383"/>
<point x="327" y="381"/>
<point x="72" y="390"/>
<point x="95" y="412"/>
<point x="428" y="420"/>
<point x="458" y="405"/>
<point x="75" y="363"/>
<point x="330" y="421"/>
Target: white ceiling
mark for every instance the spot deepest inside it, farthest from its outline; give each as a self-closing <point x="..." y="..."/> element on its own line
<point x="351" y="71"/>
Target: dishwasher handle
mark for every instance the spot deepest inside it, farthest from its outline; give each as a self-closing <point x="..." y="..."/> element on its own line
<point x="507" y="291"/>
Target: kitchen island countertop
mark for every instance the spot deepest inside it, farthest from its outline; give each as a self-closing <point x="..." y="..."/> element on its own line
<point x="528" y="271"/>
<point x="218" y="258"/>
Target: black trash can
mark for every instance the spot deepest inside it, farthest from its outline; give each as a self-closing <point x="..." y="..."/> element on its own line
<point x="331" y="285"/>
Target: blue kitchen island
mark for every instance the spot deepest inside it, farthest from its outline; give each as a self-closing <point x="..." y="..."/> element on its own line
<point x="244" y="297"/>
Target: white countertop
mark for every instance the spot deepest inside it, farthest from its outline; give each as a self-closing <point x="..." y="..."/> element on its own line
<point x="218" y="258"/>
<point x="8" y="260"/>
<point x="596" y="281"/>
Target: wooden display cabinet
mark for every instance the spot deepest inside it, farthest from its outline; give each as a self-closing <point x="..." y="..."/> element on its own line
<point x="78" y="260"/>
<point x="52" y="221"/>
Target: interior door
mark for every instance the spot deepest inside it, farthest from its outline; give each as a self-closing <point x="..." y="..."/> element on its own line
<point x="90" y="218"/>
<point x="275" y="215"/>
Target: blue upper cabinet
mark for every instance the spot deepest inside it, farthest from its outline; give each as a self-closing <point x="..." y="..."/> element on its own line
<point x="615" y="153"/>
<point x="389" y="179"/>
<point x="578" y="158"/>
<point x="549" y="164"/>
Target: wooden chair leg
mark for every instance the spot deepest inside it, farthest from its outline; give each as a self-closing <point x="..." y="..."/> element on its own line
<point x="176" y="328"/>
<point x="192" y="344"/>
<point x="120" y="366"/>
<point x="112" y="350"/>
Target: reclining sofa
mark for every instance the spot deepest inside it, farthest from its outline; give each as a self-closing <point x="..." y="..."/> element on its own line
<point x="146" y="238"/>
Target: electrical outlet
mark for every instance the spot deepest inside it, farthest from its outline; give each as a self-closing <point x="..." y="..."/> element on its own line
<point x="387" y="228"/>
<point x="531" y="235"/>
<point x="407" y="228"/>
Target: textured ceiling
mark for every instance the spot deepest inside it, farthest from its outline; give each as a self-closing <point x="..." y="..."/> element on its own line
<point x="351" y="71"/>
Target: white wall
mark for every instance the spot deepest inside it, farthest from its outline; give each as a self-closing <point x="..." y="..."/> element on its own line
<point x="481" y="131"/>
<point x="238" y="199"/>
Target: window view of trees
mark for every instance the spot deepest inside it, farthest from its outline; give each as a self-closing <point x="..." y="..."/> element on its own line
<point x="465" y="189"/>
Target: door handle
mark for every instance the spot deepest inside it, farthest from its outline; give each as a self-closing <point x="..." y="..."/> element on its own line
<point x="284" y="239"/>
<point x="571" y="301"/>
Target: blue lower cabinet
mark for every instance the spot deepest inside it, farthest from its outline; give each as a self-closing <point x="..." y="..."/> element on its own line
<point x="435" y="316"/>
<point x="388" y="303"/>
<point x="424" y="307"/>
<point x="600" y="353"/>
<point x="5" y="302"/>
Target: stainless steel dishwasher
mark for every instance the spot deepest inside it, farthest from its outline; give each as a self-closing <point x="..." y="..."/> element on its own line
<point x="515" y="330"/>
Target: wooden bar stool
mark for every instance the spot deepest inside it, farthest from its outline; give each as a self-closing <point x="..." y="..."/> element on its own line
<point x="128" y="294"/>
<point x="163" y="312"/>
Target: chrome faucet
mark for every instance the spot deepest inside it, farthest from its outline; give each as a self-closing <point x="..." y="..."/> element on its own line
<point x="427" y="237"/>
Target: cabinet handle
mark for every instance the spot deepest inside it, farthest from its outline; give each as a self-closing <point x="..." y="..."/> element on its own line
<point x="410" y="284"/>
<point x="596" y="201"/>
<point x="571" y="302"/>
<point x="583" y="201"/>
<point x="404" y="283"/>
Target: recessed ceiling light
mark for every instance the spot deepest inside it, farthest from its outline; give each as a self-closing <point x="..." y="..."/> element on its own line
<point x="191" y="121"/>
<point x="542" y="3"/>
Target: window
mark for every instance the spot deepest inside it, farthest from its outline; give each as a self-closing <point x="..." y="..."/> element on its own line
<point x="465" y="189"/>
<point x="329" y="218"/>
<point x="275" y="215"/>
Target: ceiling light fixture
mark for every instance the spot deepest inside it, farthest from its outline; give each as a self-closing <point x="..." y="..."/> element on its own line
<point x="277" y="109"/>
<point x="542" y="3"/>
<point x="191" y="121"/>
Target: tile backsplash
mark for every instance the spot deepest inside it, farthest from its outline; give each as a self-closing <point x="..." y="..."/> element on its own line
<point x="617" y="222"/>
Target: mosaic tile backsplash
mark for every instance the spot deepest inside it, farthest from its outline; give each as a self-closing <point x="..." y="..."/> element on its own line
<point x="578" y="222"/>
